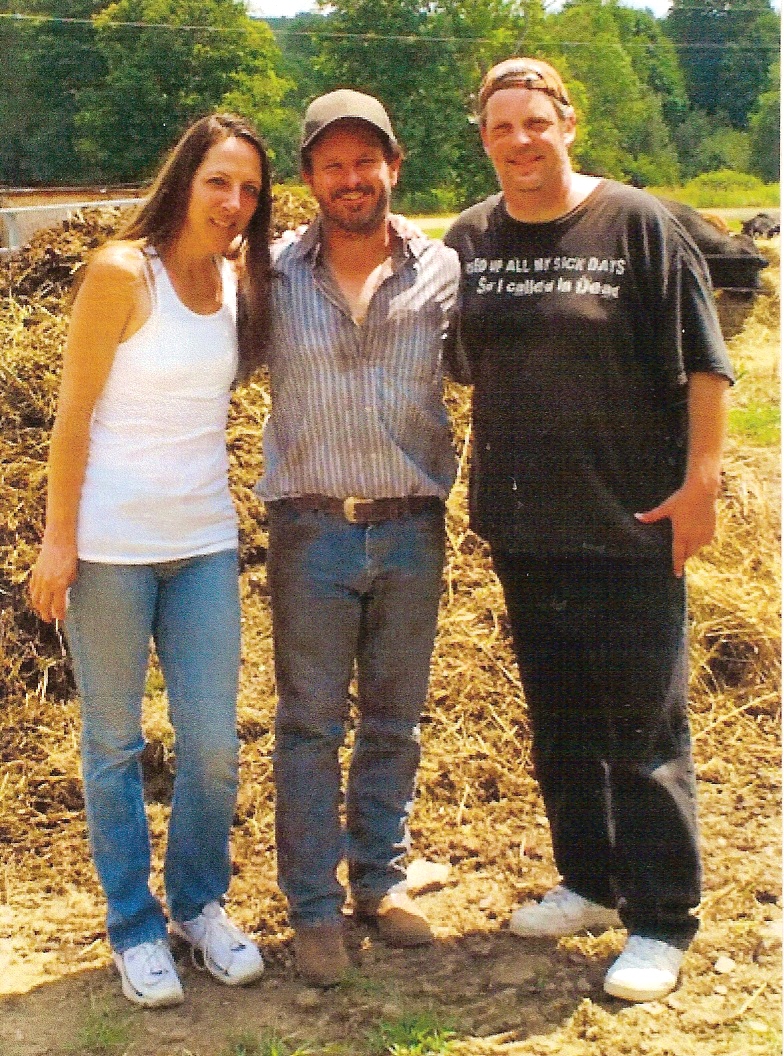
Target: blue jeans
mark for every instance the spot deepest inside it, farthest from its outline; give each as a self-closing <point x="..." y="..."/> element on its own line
<point x="190" y="608"/>
<point x="343" y="594"/>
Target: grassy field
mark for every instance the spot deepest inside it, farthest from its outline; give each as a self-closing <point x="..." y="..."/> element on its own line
<point x="437" y="226"/>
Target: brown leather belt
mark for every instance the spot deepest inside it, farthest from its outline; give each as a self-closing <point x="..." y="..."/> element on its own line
<point x="363" y="511"/>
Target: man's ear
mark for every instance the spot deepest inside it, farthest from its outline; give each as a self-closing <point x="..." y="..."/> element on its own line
<point x="569" y="125"/>
<point x="394" y="170"/>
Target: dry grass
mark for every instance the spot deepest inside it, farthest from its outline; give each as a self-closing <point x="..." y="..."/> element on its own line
<point x="475" y="727"/>
<point x="478" y="806"/>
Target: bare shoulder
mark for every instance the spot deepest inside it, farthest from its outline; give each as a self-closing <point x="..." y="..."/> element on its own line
<point x="116" y="266"/>
<point x="115" y="285"/>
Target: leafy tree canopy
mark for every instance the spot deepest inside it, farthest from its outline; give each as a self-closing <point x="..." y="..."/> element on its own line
<point x="45" y="65"/>
<point x="726" y="49"/>
<point x="188" y="58"/>
<point x="765" y="130"/>
<point x="87" y="97"/>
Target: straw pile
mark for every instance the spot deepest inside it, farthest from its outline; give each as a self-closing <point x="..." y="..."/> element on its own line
<point x="34" y="287"/>
<point x="476" y="785"/>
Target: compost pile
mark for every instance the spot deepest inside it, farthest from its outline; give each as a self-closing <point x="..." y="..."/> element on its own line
<point x="478" y="808"/>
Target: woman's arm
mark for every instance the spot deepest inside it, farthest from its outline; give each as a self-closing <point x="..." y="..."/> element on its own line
<point x="111" y="304"/>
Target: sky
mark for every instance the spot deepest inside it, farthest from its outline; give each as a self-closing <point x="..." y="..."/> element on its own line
<point x="278" y="8"/>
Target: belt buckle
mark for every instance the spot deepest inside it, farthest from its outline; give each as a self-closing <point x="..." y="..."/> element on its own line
<point x="350" y="506"/>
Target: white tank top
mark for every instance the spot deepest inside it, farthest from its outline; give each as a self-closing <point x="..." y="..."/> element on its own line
<point x="156" y="485"/>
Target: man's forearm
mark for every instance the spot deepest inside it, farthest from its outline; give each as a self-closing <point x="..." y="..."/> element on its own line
<point x="708" y="410"/>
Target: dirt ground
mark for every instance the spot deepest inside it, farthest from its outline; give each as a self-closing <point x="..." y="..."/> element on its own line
<point x="478" y="814"/>
<point x="500" y="994"/>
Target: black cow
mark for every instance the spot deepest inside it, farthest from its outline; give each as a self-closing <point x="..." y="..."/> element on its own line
<point x="761" y="226"/>
<point x="733" y="260"/>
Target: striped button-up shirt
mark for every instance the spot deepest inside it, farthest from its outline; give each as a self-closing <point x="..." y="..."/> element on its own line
<point x="357" y="408"/>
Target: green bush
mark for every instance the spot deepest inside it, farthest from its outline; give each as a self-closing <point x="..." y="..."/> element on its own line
<point x="439" y="201"/>
<point x="725" y="188"/>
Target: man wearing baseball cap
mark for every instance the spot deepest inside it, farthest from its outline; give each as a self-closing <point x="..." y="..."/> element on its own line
<point x="601" y="381"/>
<point x="358" y="465"/>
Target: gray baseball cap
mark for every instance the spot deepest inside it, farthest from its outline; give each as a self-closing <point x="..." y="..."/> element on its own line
<point x="342" y="104"/>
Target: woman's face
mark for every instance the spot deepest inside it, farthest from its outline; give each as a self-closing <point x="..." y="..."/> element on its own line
<point x="224" y="193"/>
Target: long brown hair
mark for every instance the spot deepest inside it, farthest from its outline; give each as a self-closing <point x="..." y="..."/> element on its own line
<point x="162" y="215"/>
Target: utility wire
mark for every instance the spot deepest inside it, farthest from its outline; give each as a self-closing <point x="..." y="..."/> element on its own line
<point x="369" y="37"/>
<point x="240" y="29"/>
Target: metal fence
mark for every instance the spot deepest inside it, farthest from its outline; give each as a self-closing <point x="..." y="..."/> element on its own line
<point x="19" y="223"/>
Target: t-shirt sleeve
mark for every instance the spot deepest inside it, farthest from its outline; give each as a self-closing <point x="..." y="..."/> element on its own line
<point x="704" y="350"/>
<point x="457" y="358"/>
<point x="679" y="323"/>
<point x="454" y="361"/>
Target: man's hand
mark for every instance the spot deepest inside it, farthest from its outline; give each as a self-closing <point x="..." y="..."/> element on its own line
<point x="692" y="513"/>
<point x="692" y="508"/>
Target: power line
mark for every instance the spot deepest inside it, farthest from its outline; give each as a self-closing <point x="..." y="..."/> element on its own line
<point x="409" y="37"/>
<point x="12" y="16"/>
<point x="367" y="37"/>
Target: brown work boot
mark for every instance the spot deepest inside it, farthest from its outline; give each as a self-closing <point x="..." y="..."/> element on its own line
<point x="319" y="954"/>
<point x="399" y="920"/>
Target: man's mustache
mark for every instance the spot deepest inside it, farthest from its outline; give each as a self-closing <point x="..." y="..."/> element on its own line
<point x="362" y="189"/>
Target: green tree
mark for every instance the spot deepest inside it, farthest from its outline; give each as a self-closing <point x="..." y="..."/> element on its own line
<point x="726" y="148"/>
<point x="299" y="41"/>
<point x="654" y="59"/>
<point x="424" y="62"/>
<point x="259" y="97"/>
<point x="46" y="63"/>
<point x="726" y="48"/>
<point x="746" y="67"/>
<point x="381" y="49"/>
<point x="764" y="126"/>
<point x="172" y="61"/>
<point x="482" y="32"/>
<point x="621" y="132"/>
<point x="706" y="143"/>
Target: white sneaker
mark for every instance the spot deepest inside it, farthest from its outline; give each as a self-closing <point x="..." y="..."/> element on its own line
<point x="226" y="952"/>
<point x="561" y="912"/>
<point x="148" y="975"/>
<point x="646" y="970"/>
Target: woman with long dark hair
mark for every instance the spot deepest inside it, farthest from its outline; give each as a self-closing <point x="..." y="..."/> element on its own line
<point x="141" y="537"/>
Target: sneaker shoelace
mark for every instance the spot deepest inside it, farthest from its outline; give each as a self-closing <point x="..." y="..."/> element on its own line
<point x="153" y="961"/>
<point x="219" y="932"/>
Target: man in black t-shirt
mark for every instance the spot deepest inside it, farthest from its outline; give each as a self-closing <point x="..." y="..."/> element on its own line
<point x="600" y="388"/>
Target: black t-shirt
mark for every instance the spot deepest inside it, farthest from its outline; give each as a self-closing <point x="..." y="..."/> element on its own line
<point x="580" y="334"/>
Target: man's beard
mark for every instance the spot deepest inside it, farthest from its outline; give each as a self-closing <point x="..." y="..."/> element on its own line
<point x="363" y="224"/>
